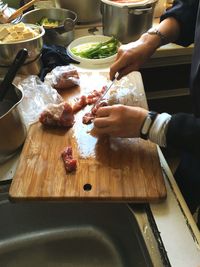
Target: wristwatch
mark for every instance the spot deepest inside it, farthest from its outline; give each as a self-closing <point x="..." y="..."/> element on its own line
<point x="154" y="31"/>
<point x="148" y="122"/>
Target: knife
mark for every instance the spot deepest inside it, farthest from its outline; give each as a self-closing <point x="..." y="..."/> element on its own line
<point x="107" y="89"/>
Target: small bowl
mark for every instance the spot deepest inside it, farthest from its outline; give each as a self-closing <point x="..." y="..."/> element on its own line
<point x="90" y="39"/>
<point x="61" y="35"/>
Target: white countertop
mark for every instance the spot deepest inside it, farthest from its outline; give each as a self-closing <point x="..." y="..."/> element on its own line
<point x="178" y="230"/>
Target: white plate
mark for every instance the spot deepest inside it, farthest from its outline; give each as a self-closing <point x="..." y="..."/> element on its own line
<point x="90" y="39"/>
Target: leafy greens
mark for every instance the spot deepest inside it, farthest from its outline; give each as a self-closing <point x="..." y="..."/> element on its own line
<point x="97" y="50"/>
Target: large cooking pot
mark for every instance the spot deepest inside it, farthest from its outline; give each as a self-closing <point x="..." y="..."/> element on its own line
<point x="127" y="21"/>
<point x="13" y="130"/>
<point x="88" y="11"/>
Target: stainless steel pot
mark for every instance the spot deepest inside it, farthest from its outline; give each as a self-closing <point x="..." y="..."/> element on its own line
<point x="126" y="23"/>
<point x="88" y="11"/>
<point x="62" y="35"/>
<point x="12" y="128"/>
<point x="8" y="52"/>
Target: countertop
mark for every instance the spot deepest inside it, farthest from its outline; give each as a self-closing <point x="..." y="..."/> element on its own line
<point x="177" y="228"/>
<point x="179" y="233"/>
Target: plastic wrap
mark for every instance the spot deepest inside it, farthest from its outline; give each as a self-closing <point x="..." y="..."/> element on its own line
<point x="63" y="77"/>
<point x="125" y="92"/>
<point x="37" y="95"/>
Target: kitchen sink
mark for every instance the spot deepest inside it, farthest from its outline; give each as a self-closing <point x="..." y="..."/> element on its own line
<point x="70" y="234"/>
<point x="80" y="234"/>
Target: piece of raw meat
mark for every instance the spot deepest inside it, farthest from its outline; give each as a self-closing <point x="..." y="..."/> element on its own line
<point x="88" y="100"/>
<point x="67" y="80"/>
<point x="69" y="163"/>
<point x="63" y="77"/>
<point x="89" y="117"/>
<point x="60" y="115"/>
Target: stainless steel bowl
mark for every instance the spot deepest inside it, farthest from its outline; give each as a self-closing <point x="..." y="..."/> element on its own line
<point x="13" y="130"/>
<point x="34" y="46"/>
<point x="88" y="11"/>
<point x="61" y="35"/>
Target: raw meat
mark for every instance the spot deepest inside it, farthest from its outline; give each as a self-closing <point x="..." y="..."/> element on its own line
<point x="60" y="115"/>
<point x="88" y="100"/>
<point x="69" y="163"/>
<point x="80" y="103"/>
<point x="89" y="117"/>
<point x="67" y="80"/>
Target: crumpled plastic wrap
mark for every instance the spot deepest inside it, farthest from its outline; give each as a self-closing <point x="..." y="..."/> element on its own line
<point x="125" y="92"/>
<point x="62" y="77"/>
<point x="37" y="95"/>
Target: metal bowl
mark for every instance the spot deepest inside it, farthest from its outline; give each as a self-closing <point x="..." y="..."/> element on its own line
<point x="34" y="46"/>
<point x="61" y="35"/>
<point x="13" y="130"/>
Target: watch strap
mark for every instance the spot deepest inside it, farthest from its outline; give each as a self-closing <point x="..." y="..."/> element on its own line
<point x="154" y="31"/>
<point x="148" y="122"/>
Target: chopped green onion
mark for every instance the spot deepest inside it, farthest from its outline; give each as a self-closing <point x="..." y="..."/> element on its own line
<point x="97" y="50"/>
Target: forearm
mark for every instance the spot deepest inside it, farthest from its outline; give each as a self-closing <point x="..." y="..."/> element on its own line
<point x="169" y="28"/>
<point x="185" y="12"/>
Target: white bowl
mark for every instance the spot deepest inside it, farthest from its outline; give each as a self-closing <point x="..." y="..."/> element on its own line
<point x="90" y="39"/>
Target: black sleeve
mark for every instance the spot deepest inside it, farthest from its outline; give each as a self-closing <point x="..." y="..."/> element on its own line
<point x="184" y="133"/>
<point x="185" y="12"/>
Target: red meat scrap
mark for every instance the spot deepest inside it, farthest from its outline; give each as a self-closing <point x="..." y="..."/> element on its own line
<point x="69" y="162"/>
<point x="90" y="99"/>
<point x="80" y="103"/>
<point x="90" y="116"/>
<point x="57" y="115"/>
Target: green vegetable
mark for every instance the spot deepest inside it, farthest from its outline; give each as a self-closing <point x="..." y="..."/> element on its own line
<point x="97" y="50"/>
<point x="49" y="23"/>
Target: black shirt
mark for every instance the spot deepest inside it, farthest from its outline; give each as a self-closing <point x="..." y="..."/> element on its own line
<point x="184" y="129"/>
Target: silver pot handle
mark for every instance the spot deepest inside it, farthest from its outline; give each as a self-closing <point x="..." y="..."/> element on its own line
<point x="68" y="24"/>
<point x="139" y="11"/>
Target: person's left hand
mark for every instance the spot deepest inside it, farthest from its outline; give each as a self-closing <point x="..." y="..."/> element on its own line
<point x="119" y="121"/>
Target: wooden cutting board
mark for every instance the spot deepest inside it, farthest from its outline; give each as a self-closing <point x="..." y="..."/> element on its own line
<point x="109" y="169"/>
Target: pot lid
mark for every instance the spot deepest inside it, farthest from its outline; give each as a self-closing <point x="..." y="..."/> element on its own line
<point x="128" y="3"/>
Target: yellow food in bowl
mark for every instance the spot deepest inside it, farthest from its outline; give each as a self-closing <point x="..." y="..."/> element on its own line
<point x="49" y="23"/>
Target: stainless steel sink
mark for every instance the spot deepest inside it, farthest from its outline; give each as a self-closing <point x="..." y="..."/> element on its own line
<point x="52" y="234"/>
<point x="70" y="234"/>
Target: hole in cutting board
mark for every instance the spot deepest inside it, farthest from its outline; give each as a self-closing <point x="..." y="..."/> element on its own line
<point x="87" y="187"/>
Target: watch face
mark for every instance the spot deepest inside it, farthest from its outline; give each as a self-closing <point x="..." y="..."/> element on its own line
<point x="146" y="125"/>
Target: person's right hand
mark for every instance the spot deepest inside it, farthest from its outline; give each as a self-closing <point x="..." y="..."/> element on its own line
<point x="132" y="56"/>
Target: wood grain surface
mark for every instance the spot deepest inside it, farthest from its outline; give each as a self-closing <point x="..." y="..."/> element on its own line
<point x="109" y="169"/>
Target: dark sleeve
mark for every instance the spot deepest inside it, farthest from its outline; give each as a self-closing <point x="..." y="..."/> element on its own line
<point x="184" y="133"/>
<point x="185" y="12"/>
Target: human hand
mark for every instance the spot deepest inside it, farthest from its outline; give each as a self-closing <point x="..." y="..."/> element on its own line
<point x="132" y="56"/>
<point x="119" y="121"/>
